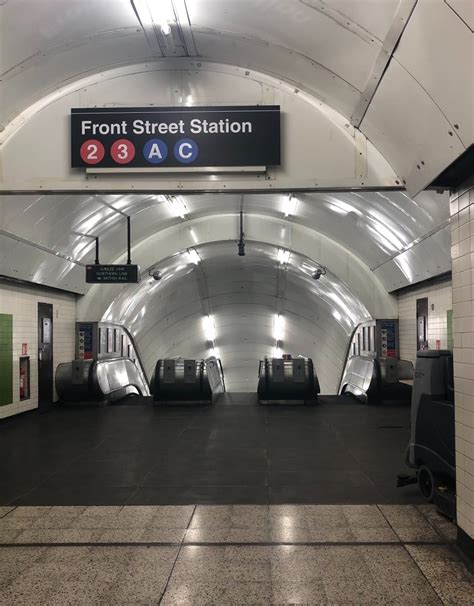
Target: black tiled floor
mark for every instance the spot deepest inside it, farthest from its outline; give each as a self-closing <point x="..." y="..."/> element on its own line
<point x="336" y="452"/>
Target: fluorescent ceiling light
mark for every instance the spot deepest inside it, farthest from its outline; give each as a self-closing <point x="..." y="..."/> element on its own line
<point x="162" y="14"/>
<point x="337" y="209"/>
<point x="193" y="235"/>
<point x="278" y="327"/>
<point x="176" y="206"/>
<point x="193" y="256"/>
<point x="288" y="207"/>
<point x="283" y="255"/>
<point x="341" y="207"/>
<point x="209" y="328"/>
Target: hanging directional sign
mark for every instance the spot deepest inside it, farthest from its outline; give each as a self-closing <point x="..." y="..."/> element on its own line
<point x="174" y="137"/>
<point x="112" y="274"/>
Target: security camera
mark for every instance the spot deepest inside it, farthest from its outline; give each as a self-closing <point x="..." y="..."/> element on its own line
<point x="156" y="275"/>
<point x="321" y="271"/>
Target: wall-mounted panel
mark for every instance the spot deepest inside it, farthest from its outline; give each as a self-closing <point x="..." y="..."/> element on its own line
<point x="6" y="359"/>
<point x="410" y="129"/>
<point x="437" y="50"/>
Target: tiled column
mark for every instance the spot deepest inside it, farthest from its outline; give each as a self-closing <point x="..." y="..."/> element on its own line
<point x="462" y="229"/>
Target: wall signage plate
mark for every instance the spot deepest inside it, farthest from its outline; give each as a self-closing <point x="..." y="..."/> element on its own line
<point x="175" y="137"/>
<point x="112" y="274"/>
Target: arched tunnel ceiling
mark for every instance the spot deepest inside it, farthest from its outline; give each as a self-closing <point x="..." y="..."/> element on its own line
<point x="62" y="44"/>
<point x="242" y="295"/>
<point x="344" y="53"/>
<point x="397" y="239"/>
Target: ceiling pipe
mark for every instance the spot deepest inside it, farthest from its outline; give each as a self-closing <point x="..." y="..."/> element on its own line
<point x="241" y="243"/>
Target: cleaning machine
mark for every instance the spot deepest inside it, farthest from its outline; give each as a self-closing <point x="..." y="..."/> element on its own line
<point x="431" y="451"/>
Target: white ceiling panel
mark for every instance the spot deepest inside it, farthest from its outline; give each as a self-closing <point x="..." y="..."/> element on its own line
<point x="464" y="10"/>
<point x="410" y="129"/>
<point x="431" y="51"/>
<point x="345" y="51"/>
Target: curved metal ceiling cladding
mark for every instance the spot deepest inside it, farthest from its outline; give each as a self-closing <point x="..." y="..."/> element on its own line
<point x="242" y="294"/>
<point x="349" y="58"/>
<point x="370" y="242"/>
<point x="365" y="91"/>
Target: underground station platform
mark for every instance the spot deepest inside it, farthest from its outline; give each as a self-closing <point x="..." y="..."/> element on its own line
<point x="236" y="302"/>
<point x="234" y="452"/>
<point x="234" y="503"/>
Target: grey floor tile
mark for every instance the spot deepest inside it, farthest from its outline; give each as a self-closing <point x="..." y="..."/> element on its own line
<point x="216" y="592"/>
<point x="112" y="521"/>
<point x="8" y="535"/>
<point x="163" y="535"/>
<point x="373" y="535"/>
<point x="446" y="573"/>
<point x="102" y="510"/>
<point x="351" y="591"/>
<point x="55" y="583"/>
<point x="291" y="592"/>
<point x="16" y="523"/>
<point x="300" y="564"/>
<point x="15" y="560"/>
<point x="409" y="524"/>
<point x="426" y="535"/>
<point x="30" y="512"/>
<point x="91" y="575"/>
<point x="55" y="521"/>
<point x="230" y="516"/>
<point x="4" y="510"/>
<point x="445" y="527"/>
<point x="66" y="510"/>
<point x="331" y="534"/>
<point x="365" y="516"/>
<point x="167" y="516"/>
<point x="49" y="535"/>
<point x="233" y="565"/>
<point x="287" y="534"/>
<point x="142" y="577"/>
<point x="120" y="535"/>
<point x="227" y="535"/>
<point x="432" y="552"/>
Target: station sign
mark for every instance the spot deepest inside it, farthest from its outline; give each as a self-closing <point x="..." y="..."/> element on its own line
<point x="112" y="274"/>
<point x="175" y="137"/>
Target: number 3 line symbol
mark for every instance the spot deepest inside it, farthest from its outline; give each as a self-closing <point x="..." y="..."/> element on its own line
<point x="92" y="151"/>
<point x="122" y="151"/>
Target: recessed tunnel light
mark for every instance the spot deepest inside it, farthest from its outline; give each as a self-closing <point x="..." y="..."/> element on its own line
<point x="176" y="206"/>
<point x="193" y="235"/>
<point x="162" y="14"/>
<point x="192" y="256"/>
<point x="278" y="327"/>
<point x="283" y="255"/>
<point x="209" y="328"/>
<point x="288" y="206"/>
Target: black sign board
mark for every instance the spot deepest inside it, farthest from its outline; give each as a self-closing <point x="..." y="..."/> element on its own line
<point x="144" y="137"/>
<point x="112" y="274"/>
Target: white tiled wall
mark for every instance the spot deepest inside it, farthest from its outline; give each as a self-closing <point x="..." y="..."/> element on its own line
<point x="462" y="253"/>
<point x="22" y="302"/>
<point x="439" y="295"/>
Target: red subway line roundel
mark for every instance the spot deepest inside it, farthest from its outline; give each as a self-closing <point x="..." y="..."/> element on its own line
<point x="122" y="151"/>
